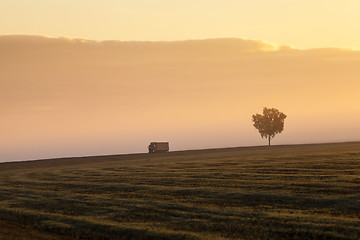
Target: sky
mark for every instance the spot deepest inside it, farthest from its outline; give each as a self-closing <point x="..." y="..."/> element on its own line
<point x="303" y="24"/>
<point x="108" y="77"/>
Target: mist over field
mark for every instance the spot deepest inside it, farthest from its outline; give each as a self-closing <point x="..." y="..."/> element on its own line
<point x="72" y="97"/>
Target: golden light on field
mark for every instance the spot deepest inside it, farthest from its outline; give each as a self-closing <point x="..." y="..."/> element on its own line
<point x="65" y="97"/>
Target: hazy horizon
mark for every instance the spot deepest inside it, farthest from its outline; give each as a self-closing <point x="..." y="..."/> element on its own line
<point x="106" y="77"/>
<point x="73" y="97"/>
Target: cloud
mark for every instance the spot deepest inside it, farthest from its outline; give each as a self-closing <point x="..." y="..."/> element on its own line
<point x="225" y="45"/>
<point x="66" y="91"/>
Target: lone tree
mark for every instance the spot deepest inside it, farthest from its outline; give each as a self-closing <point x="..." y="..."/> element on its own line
<point x="270" y="123"/>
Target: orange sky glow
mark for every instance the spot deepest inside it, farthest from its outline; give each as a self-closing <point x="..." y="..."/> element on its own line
<point x="135" y="82"/>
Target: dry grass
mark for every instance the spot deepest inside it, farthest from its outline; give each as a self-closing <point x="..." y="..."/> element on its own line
<point x="278" y="192"/>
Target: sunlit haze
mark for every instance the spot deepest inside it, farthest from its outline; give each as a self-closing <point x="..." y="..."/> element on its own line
<point x="303" y="24"/>
<point x="188" y="72"/>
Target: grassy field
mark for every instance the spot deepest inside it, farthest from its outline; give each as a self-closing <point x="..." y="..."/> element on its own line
<point x="277" y="192"/>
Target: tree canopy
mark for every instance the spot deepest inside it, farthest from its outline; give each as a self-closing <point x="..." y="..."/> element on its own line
<point x="270" y="123"/>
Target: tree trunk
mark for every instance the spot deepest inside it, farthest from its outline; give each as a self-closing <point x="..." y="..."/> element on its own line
<point x="269" y="139"/>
